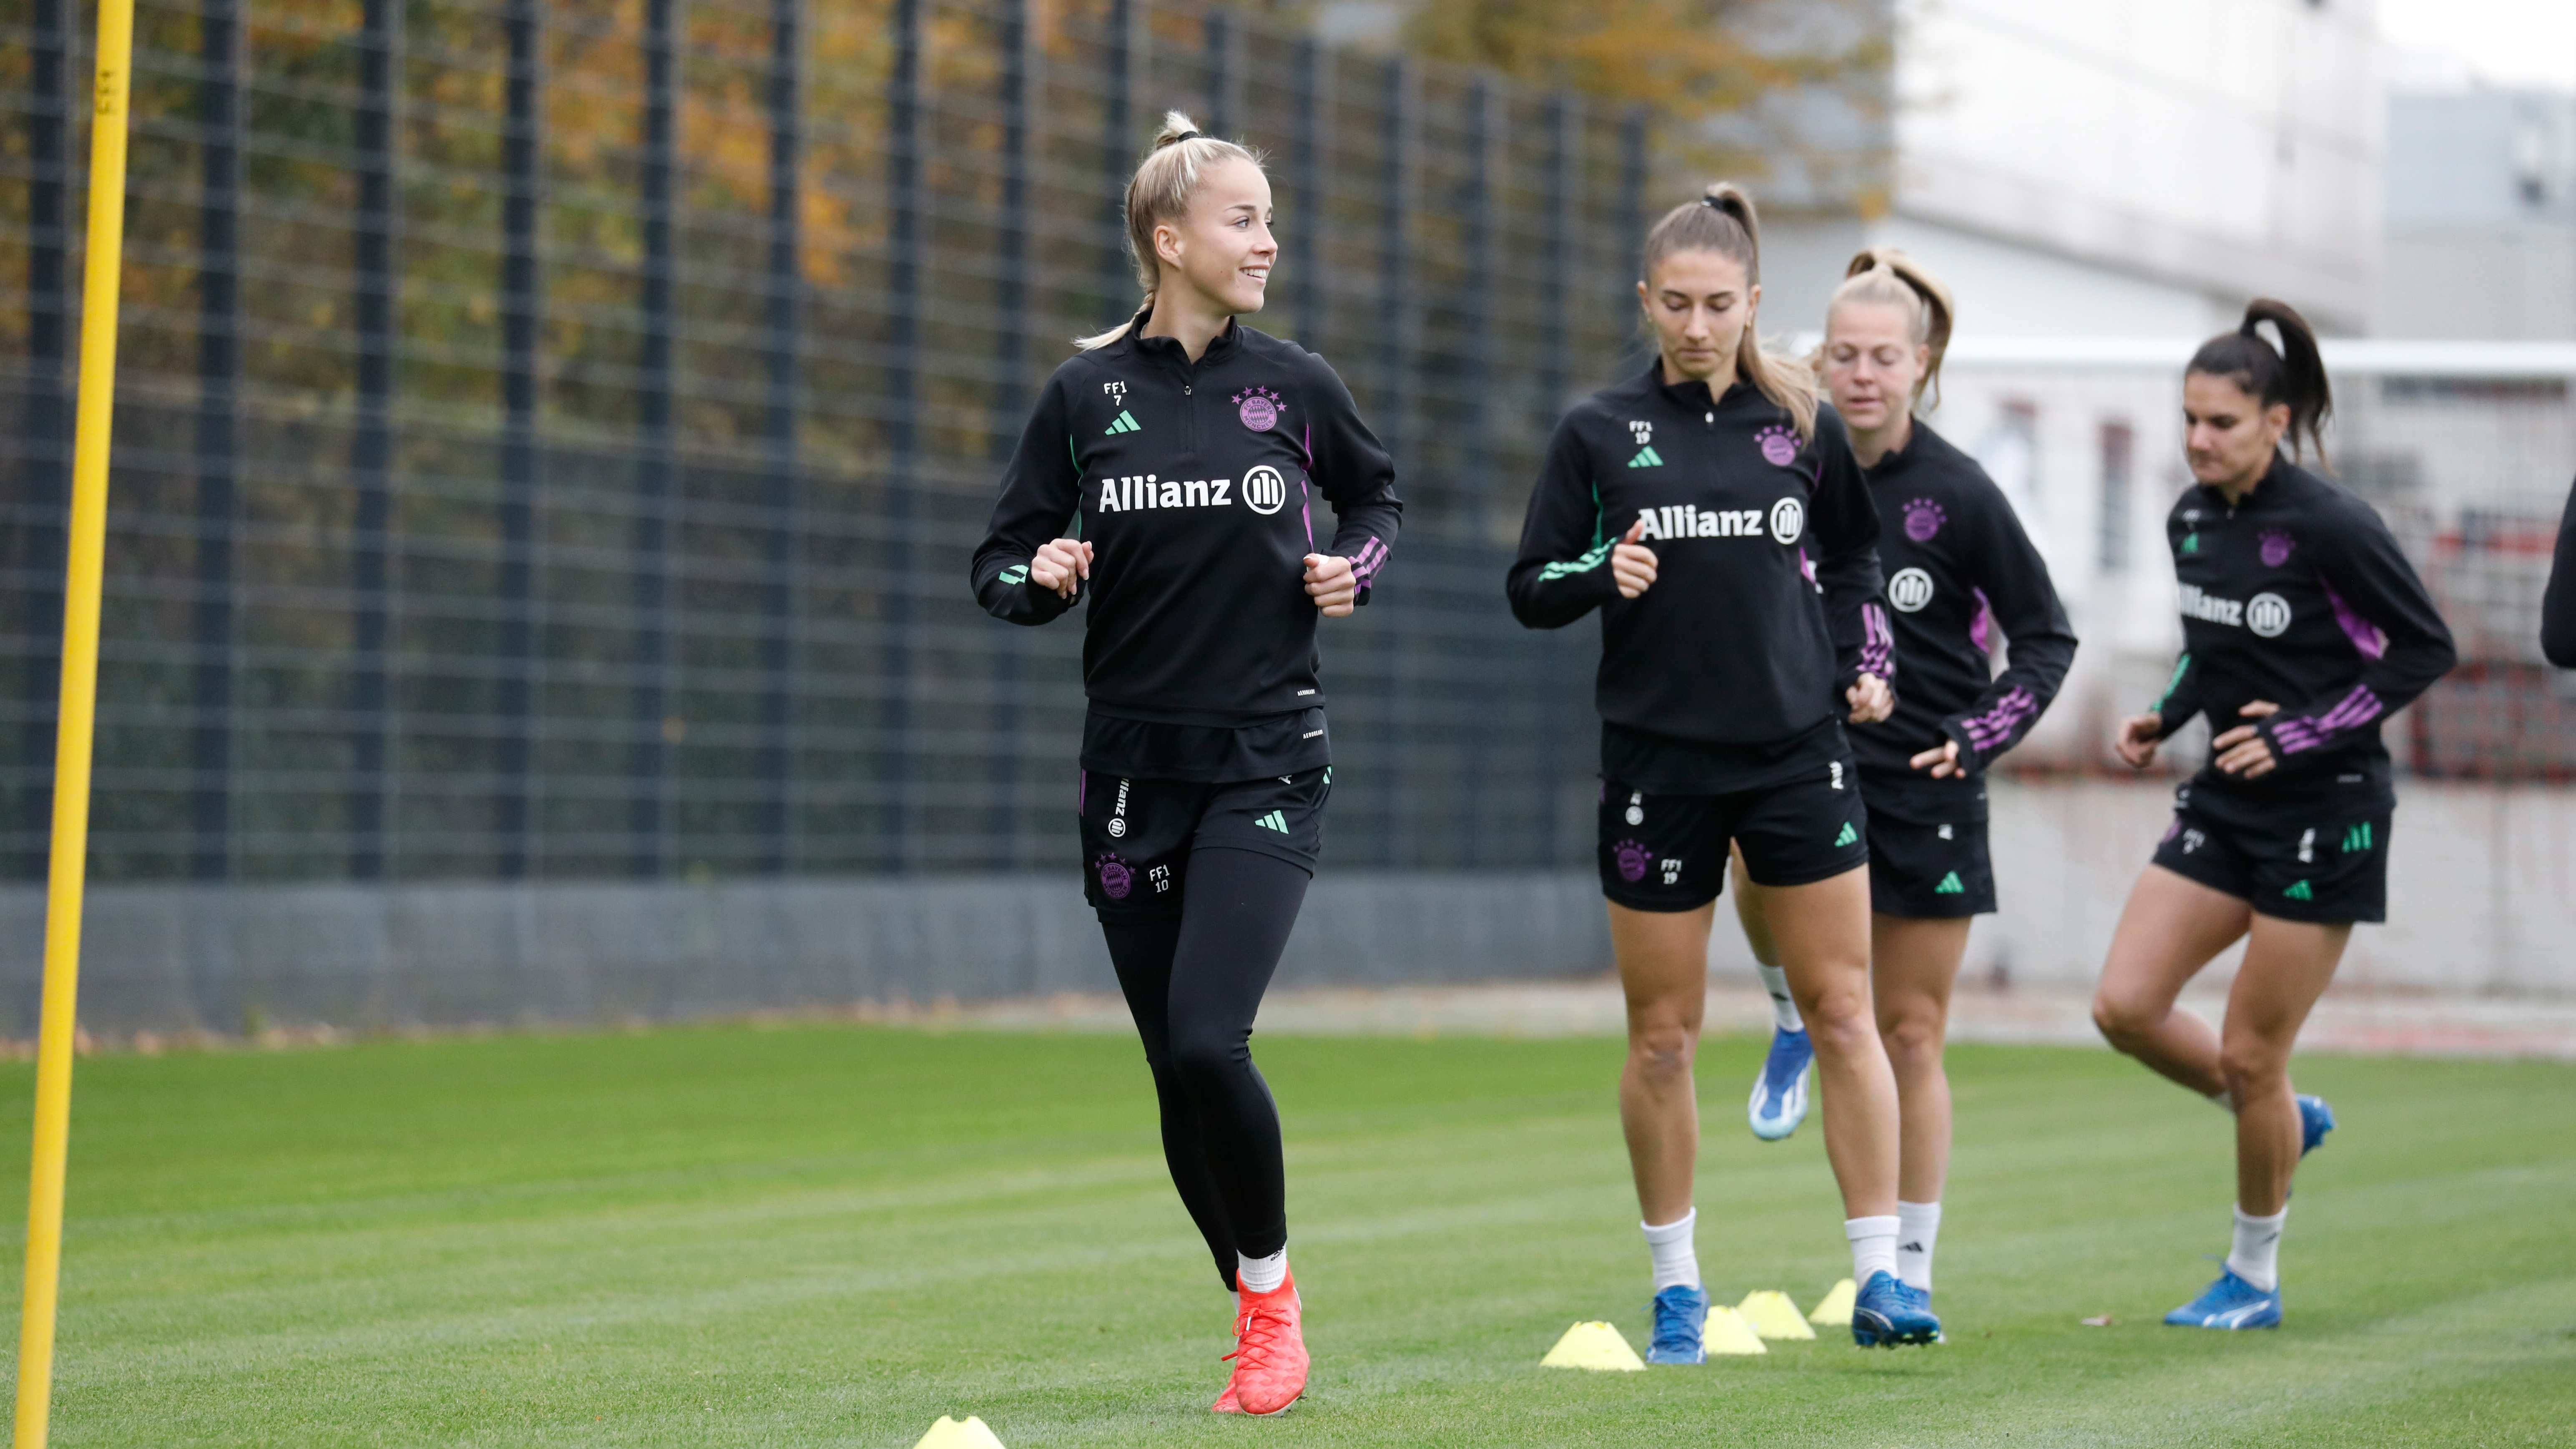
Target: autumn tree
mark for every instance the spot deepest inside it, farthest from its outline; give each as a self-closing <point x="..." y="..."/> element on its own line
<point x="1791" y="91"/>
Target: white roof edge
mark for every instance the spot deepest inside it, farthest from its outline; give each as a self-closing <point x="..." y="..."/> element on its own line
<point x="2374" y="357"/>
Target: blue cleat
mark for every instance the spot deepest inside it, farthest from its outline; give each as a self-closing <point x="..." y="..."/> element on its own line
<point x="2231" y="1302"/>
<point x="1681" y="1314"/>
<point x="1780" y="1094"/>
<point x="2316" y="1119"/>
<point x="1887" y="1313"/>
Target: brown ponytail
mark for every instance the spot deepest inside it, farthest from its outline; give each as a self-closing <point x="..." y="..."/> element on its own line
<point x="1885" y="274"/>
<point x="2294" y="375"/>
<point x="1723" y="221"/>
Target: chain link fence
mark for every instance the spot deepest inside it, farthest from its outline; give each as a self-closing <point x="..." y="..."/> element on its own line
<point x="551" y="432"/>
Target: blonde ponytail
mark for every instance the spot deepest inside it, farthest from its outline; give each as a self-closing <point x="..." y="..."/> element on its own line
<point x="1885" y="274"/>
<point x="1174" y="168"/>
<point x="1723" y="221"/>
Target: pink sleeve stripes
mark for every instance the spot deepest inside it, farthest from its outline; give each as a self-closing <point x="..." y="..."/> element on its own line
<point x="1995" y="726"/>
<point x="1372" y="557"/>
<point x="1878" y="641"/>
<point x="2357" y="709"/>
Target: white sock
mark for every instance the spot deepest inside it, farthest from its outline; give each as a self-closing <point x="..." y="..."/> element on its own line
<point x="1784" y="1007"/>
<point x="1918" y="1231"/>
<point x="2256" y="1257"/>
<point x="1873" y="1243"/>
<point x="1676" y="1258"/>
<point x="2224" y="1101"/>
<point x="1260" y="1275"/>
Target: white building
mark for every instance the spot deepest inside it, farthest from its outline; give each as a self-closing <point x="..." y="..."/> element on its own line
<point x="2097" y="167"/>
<point x="2481" y="207"/>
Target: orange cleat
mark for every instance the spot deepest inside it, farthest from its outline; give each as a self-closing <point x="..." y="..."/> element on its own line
<point x="1269" y="1352"/>
<point x="1225" y="1402"/>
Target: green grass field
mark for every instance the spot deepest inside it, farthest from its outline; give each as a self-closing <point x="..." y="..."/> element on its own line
<point x="831" y="1236"/>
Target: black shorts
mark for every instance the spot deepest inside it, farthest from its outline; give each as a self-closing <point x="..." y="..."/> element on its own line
<point x="2329" y="870"/>
<point x="1668" y="852"/>
<point x="1137" y="834"/>
<point x="1929" y="872"/>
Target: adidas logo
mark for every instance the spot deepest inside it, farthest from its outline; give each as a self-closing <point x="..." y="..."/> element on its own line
<point x="1646" y="458"/>
<point x="1848" y="836"/>
<point x="1909" y="1247"/>
<point x="1019" y="573"/>
<point x="2299" y="891"/>
<point x="1273" y="821"/>
<point x="2356" y="839"/>
<point x="2191" y="543"/>
<point x="1950" y="886"/>
<point x="1126" y="423"/>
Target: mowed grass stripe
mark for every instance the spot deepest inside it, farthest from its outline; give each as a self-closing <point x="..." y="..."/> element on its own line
<point x="830" y="1236"/>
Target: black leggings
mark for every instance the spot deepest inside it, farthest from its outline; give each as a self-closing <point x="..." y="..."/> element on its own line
<point x="1193" y="982"/>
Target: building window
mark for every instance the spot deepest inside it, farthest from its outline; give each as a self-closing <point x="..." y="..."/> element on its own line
<point x="2119" y="452"/>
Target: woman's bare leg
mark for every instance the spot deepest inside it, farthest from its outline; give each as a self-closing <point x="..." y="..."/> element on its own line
<point x="2169" y="930"/>
<point x="1822" y="933"/>
<point x="1663" y="969"/>
<point x="2287" y="967"/>
<point x="1913" y="966"/>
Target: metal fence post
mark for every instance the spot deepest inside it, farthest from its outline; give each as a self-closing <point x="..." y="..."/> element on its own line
<point x="1632" y="198"/>
<point x="652" y="723"/>
<point x="44" y="498"/>
<point x="1395" y="410"/>
<point x="1021" y="56"/>
<point x="781" y="491"/>
<point x="210" y="752"/>
<point x="1225" y="102"/>
<point x="1306" y="191"/>
<point x="1127" y="52"/>
<point x="903" y="287"/>
<point x="379" y="279"/>
<point x="520" y="320"/>
<point x="1555" y="380"/>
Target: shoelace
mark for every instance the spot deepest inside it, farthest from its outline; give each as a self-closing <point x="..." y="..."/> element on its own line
<point x="1672" y="1324"/>
<point x="1256" y="1335"/>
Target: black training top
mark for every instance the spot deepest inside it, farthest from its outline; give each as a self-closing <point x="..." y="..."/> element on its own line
<point x="2558" y="599"/>
<point x="1728" y="673"/>
<point x="1194" y="485"/>
<point x="1959" y="568"/>
<point x="2300" y="596"/>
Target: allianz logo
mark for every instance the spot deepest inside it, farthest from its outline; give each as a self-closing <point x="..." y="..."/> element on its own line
<point x="1264" y="491"/>
<point x="2266" y="614"/>
<point x="1680" y="520"/>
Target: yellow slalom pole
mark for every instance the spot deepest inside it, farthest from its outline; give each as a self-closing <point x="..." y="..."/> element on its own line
<point x="86" y="563"/>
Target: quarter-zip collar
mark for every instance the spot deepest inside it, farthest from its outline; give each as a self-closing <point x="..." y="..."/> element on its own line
<point x="2264" y="488"/>
<point x="1896" y="460"/>
<point x="1692" y="395"/>
<point x="1167" y="351"/>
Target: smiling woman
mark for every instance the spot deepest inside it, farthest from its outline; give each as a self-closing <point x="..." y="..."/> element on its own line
<point x="1155" y="477"/>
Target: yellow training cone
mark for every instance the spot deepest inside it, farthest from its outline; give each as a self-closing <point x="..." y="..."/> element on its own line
<point x="949" y="1434"/>
<point x="1727" y="1332"/>
<point x="1773" y="1315"/>
<point x="1835" y="1311"/>
<point x="1596" y="1346"/>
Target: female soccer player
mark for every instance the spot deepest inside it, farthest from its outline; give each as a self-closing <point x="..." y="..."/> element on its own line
<point x="1721" y="690"/>
<point x="2303" y="627"/>
<point x="1959" y="568"/>
<point x="1169" y="473"/>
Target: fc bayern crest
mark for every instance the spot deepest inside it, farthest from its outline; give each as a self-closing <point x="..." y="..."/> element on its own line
<point x="1258" y="407"/>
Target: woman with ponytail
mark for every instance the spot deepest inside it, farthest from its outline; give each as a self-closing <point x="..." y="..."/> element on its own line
<point x="1170" y="473"/>
<point x="1960" y="570"/>
<point x="1712" y="511"/>
<point x="2304" y="628"/>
